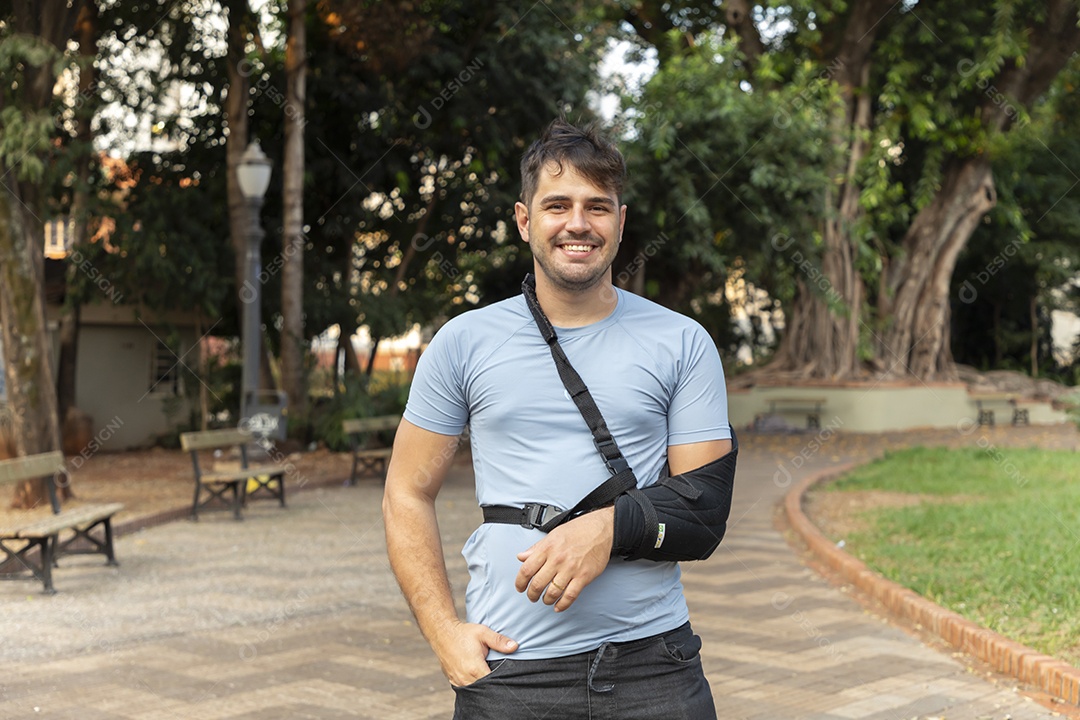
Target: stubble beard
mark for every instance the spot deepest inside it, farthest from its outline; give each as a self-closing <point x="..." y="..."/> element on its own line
<point x="555" y="273"/>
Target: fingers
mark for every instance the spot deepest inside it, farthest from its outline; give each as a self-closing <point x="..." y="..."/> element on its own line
<point x="561" y="596"/>
<point x="463" y="652"/>
<point x="498" y="641"/>
<point x="568" y="596"/>
<point x="531" y="562"/>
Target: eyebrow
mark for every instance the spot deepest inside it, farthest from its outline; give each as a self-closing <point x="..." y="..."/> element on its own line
<point x="597" y="199"/>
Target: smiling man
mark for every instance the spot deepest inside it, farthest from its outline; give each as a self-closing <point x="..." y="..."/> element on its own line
<point x="559" y="624"/>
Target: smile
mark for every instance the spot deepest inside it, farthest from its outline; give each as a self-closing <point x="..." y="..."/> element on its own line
<point x="577" y="248"/>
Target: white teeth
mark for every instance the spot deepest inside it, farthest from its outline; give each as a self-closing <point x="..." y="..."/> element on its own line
<point x="578" y="248"/>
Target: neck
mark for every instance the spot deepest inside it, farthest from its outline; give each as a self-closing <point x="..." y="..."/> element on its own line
<point x="575" y="308"/>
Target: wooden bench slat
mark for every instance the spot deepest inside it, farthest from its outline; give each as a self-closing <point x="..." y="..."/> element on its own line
<point x="210" y="439"/>
<point x="242" y="473"/>
<point x="69" y="519"/>
<point x="33" y="466"/>
<point x="40" y="535"/>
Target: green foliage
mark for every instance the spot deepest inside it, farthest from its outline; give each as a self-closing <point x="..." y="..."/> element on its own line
<point x="724" y="173"/>
<point x="992" y="543"/>
<point x="357" y="397"/>
<point x="168" y="249"/>
<point x="934" y="76"/>
<point x="416" y="119"/>
<point x="1026" y="249"/>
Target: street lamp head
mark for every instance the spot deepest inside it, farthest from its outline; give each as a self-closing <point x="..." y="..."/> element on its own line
<point x="253" y="172"/>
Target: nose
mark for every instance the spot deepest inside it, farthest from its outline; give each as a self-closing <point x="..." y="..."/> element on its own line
<point x="577" y="222"/>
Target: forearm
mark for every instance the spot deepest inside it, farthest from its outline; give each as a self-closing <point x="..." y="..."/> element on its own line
<point x="416" y="557"/>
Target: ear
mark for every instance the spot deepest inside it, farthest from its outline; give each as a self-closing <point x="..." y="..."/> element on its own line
<point x="521" y="214"/>
<point x="622" y="221"/>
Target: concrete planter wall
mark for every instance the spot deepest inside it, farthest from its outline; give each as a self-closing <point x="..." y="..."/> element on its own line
<point x="881" y="407"/>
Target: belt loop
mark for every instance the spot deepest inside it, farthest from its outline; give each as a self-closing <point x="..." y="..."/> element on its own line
<point x="601" y="653"/>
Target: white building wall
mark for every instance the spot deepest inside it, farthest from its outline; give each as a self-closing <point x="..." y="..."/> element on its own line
<point x="114" y="385"/>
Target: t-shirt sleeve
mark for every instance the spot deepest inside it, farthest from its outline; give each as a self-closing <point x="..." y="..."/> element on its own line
<point x="437" y="395"/>
<point x="698" y="411"/>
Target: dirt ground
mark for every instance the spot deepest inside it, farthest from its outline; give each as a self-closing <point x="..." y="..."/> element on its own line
<point x="152" y="481"/>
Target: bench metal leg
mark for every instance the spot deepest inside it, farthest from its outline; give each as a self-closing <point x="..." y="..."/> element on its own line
<point x="1020" y="417"/>
<point x="813" y="421"/>
<point x="236" y="502"/>
<point x="375" y="466"/>
<point x="239" y="495"/>
<point x="986" y="417"/>
<point x="195" y="502"/>
<point x="269" y="486"/>
<point x="97" y="547"/>
<point x="41" y="571"/>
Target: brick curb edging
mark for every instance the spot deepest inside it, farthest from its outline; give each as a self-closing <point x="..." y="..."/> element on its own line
<point x="1008" y="657"/>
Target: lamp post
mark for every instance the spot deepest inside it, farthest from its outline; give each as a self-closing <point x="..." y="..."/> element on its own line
<point x="253" y="175"/>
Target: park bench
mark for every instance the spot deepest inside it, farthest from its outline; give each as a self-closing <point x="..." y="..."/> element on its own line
<point x="43" y="533"/>
<point x="269" y="479"/>
<point x="986" y="414"/>
<point x="810" y="406"/>
<point x="370" y="456"/>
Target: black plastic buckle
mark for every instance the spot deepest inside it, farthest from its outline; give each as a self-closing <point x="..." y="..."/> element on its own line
<point x="537" y="515"/>
<point x="615" y="464"/>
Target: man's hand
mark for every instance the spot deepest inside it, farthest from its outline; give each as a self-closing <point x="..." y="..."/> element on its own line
<point x="568" y="558"/>
<point x="462" y="650"/>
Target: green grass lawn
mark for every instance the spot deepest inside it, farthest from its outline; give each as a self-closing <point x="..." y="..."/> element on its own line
<point x="999" y="543"/>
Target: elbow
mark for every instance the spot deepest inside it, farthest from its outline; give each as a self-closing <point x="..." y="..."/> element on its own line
<point x="388" y="501"/>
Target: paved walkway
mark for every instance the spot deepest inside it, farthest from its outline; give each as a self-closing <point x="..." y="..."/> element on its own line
<point x="294" y="614"/>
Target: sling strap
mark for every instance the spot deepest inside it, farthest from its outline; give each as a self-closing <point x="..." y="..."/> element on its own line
<point x="622" y="480"/>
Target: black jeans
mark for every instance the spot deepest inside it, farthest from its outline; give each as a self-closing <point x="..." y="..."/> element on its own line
<point x="655" y="677"/>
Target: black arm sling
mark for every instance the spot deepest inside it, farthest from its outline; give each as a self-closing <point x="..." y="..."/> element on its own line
<point x="679" y="518"/>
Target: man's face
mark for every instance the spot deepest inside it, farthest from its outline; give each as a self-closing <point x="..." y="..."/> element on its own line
<point x="573" y="228"/>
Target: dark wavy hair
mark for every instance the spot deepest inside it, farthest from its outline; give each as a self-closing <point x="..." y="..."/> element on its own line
<point x="583" y="148"/>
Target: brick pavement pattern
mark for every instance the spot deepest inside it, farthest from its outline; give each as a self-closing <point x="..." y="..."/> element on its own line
<point x="295" y="614"/>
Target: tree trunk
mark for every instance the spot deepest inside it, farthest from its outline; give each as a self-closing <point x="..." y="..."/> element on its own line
<point x="348" y="353"/>
<point x="916" y="342"/>
<point x="28" y="371"/>
<point x="236" y="103"/>
<point x="1034" y="310"/>
<point x="86" y="30"/>
<point x="293" y="378"/>
<point x="371" y="356"/>
<point x="31" y="388"/>
<point x="821" y="337"/>
<point x="68" y="339"/>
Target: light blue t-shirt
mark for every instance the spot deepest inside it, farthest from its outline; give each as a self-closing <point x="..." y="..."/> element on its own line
<point x="656" y="377"/>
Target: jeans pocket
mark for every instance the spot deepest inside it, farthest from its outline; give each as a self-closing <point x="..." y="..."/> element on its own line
<point x="682" y="647"/>
<point x="495" y="665"/>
